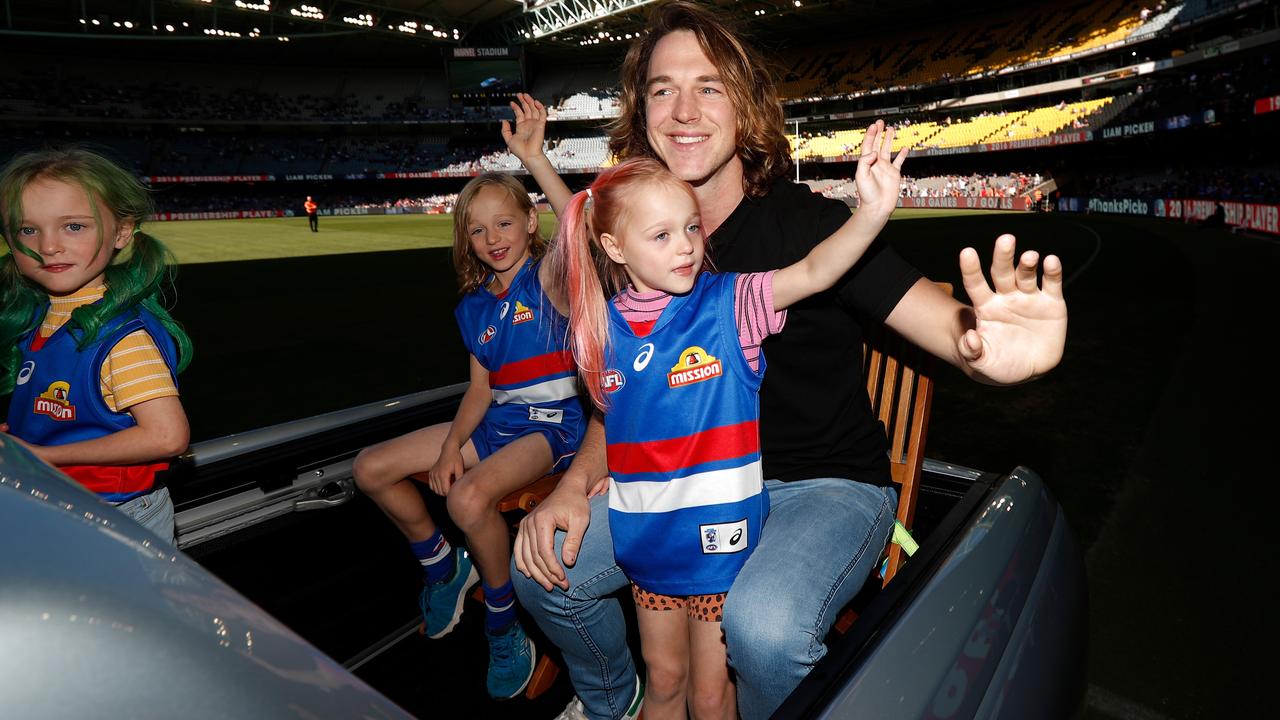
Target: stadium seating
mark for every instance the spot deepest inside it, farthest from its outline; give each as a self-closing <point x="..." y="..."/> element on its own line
<point x="986" y="127"/>
<point x="992" y="44"/>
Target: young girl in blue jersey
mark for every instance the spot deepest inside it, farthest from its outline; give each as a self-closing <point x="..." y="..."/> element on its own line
<point x="519" y="420"/>
<point x="87" y="352"/>
<point x="670" y="354"/>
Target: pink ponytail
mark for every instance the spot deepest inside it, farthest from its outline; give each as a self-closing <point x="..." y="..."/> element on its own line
<point x="584" y="275"/>
<point x="572" y="263"/>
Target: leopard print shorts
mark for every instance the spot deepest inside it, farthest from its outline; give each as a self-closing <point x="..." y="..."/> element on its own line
<point x="707" y="608"/>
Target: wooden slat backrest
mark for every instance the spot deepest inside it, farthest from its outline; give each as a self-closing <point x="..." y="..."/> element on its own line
<point x="901" y="393"/>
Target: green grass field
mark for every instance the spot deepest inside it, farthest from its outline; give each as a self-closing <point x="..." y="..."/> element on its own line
<point x="202" y="241"/>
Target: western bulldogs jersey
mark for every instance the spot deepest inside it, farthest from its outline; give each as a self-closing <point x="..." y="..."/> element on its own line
<point x="688" y="501"/>
<point x="520" y="339"/>
<point x="57" y="399"/>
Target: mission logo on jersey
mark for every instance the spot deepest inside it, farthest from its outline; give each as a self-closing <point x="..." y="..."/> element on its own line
<point x="695" y="365"/>
<point x="523" y="314"/>
<point x="55" y="402"/>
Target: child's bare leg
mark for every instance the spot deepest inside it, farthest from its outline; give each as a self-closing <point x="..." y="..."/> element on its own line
<point x="473" y="501"/>
<point x="664" y="642"/>
<point x="711" y="692"/>
<point x="382" y="472"/>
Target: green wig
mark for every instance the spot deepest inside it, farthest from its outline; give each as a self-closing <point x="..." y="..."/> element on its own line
<point x="139" y="276"/>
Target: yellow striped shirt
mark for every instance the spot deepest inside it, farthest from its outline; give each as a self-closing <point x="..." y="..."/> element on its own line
<point x="133" y="372"/>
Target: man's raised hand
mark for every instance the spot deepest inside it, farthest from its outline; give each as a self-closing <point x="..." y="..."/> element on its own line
<point x="1020" y="326"/>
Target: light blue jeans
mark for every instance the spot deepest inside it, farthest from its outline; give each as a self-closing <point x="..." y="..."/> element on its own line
<point x="822" y="540"/>
<point x="154" y="511"/>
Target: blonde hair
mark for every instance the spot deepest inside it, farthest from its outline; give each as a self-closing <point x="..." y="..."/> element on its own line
<point x="472" y="272"/>
<point x="587" y="276"/>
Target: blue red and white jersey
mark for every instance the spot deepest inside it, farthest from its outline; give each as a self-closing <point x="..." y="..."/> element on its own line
<point x="520" y="339"/>
<point x="687" y="501"/>
<point x="57" y="399"/>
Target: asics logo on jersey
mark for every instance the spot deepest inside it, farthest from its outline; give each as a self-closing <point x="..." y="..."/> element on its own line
<point x="28" y="368"/>
<point x="643" y="357"/>
<point x="502" y="314"/>
<point x="537" y="414"/>
<point x="712" y="537"/>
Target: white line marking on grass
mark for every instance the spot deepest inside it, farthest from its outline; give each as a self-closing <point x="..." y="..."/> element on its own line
<point x="1112" y="705"/>
<point x="1097" y="249"/>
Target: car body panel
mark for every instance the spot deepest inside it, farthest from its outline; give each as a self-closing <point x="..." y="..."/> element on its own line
<point x="100" y="618"/>
<point x="987" y="619"/>
<point x="994" y="628"/>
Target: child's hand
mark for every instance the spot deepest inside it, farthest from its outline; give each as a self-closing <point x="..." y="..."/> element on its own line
<point x="878" y="179"/>
<point x="35" y="449"/>
<point x="601" y="487"/>
<point x="531" y="125"/>
<point x="446" y="470"/>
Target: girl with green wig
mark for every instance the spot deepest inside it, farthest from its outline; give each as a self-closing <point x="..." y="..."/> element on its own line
<point x="87" y="351"/>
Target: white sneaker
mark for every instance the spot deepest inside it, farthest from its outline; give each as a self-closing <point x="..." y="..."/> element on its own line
<point x="575" y="711"/>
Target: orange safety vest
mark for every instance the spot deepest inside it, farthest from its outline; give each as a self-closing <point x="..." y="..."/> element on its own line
<point x="310" y="206"/>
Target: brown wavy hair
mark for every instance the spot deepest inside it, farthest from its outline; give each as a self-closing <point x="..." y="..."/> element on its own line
<point x="471" y="270"/>
<point x="761" y="136"/>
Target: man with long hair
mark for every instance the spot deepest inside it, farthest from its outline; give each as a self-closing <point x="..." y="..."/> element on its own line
<point x="700" y="100"/>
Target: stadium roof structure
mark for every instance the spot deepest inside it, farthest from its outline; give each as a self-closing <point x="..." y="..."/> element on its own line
<point x="568" y="24"/>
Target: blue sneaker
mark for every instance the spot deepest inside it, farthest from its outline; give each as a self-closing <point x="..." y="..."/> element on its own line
<point x="511" y="662"/>
<point x="441" y="602"/>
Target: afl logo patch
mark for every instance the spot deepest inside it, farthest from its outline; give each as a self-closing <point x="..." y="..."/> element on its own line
<point x="488" y="334"/>
<point x="695" y="365"/>
<point x="612" y="380"/>
<point x="723" y="538"/>
<point x="28" y="368"/>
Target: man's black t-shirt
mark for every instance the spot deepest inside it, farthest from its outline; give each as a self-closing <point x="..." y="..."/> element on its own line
<point x="816" y="420"/>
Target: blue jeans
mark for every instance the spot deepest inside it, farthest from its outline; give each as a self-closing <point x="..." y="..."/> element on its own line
<point x="776" y="615"/>
<point x="154" y="511"/>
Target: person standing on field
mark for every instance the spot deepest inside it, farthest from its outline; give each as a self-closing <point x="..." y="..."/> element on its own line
<point x="312" y="218"/>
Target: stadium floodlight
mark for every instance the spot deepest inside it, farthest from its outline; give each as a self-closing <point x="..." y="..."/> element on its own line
<point x="550" y="17"/>
<point x="310" y="12"/>
<point x="264" y="6"/>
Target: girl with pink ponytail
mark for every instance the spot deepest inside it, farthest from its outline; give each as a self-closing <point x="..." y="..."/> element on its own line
<point x="669" y="352"/>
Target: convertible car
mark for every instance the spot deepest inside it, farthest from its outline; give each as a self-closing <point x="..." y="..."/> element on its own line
<point x="290" y="595"/>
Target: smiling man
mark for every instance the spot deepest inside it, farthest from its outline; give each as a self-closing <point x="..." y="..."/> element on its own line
<point x="697" y="98"/>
